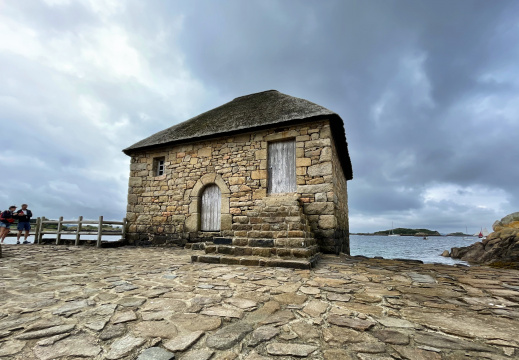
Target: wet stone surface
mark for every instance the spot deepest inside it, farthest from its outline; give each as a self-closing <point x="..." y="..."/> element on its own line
<point x="62" y="302"/>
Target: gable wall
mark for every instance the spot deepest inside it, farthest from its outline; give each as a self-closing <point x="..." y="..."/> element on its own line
<point x="342" y="228"/>
<point x="164" y="209"/>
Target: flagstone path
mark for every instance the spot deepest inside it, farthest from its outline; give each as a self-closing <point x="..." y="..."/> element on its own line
<point x="59" y="302"/>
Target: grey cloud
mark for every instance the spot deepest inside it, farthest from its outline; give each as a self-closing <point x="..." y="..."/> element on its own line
<point x="427" y="91"/>
<point x="370" y="200"/>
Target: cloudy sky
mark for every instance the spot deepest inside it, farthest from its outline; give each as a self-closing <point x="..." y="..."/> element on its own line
<point x="428" y="91"/>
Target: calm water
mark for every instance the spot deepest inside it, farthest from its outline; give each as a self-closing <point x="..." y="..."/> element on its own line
<point x="12" y="239"/>
<point x="408" y="247"/>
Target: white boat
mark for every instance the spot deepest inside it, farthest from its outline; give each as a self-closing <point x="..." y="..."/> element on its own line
<point x="466" y="233"/>
<point x="391" y="233"/>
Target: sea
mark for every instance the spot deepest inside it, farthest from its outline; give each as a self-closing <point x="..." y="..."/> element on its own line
<point x="12" y="239"/>
<point x="389" y="247"/>
<point x="409" y="247"/>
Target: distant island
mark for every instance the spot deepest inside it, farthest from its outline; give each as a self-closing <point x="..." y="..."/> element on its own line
<point x="406" y="232"/>
<point x="459" y="233"/>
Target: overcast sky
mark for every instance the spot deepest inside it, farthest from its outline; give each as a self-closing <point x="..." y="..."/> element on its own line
<point x="428" y="91"/>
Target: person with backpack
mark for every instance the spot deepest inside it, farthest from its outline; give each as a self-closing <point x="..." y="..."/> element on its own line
<point x="24" y="223"/>
<point x="6" y="219"/>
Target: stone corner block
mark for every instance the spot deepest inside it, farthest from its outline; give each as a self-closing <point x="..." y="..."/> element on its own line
<point x="192" y="222"/>
<point x="226" y="222"/>
<point x="321" y="169"/>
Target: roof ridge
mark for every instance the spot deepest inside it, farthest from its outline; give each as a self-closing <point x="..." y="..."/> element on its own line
<point x="256" y="93"/>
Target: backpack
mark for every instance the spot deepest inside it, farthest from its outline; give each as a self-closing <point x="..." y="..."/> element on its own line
<point x="6" y="217"/>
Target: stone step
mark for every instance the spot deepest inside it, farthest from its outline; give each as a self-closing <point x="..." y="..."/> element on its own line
<point x="269" y="227"/>
<point x="260" y="224"/>
<point x="292" y="242"/>
<point x="195" y="246"/>
<point x="276" y="217"/>
<point x="272" y="233"/>
<point x="282" y="243"/>
<point x="262" y="251"/>
<point x="279" y="200"/>
<point x="280" y="211"/>
<point x="256" y="261"/>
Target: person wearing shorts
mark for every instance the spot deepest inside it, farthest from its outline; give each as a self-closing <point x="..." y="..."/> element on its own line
<point x="6" y="219"/>
<point x="24" y="223"/>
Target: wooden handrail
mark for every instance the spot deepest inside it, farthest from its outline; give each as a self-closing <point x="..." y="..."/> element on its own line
<point x="40" y="230"/>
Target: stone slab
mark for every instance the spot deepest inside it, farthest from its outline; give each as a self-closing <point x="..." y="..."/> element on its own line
<point x="156" y="353"/>
<point x="467" y="312"/>
<point x="286" y="349"/>
<point x="228" y="336"/>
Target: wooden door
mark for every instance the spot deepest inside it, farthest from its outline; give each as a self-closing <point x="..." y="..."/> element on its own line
<point x="211" y="207"/>
<point x="282" y="166"/>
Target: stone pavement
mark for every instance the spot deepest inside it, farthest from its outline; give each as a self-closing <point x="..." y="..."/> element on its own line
<point x="60" y="302"/>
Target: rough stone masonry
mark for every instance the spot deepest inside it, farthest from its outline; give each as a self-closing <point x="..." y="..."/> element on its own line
<point x="165" y="207"/>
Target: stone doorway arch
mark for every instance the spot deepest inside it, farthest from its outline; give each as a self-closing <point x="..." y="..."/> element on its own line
<point x="193" y="221"/>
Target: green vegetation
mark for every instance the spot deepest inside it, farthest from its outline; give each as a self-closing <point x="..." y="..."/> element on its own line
<point x="86" y="227"/>
<point x="67" y="227"/>
<point x="409" y="232"/>
<point x="92" y="227"/>
<point x="412" y="232"/>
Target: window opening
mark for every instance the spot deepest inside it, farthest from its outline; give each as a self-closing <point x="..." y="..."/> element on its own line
<point x="158" y="165"/>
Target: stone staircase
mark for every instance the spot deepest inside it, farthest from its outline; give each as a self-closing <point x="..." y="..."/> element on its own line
<point x="275" y="233"/>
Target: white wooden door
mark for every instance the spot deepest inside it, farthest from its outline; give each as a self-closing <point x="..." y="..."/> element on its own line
<point x="211" y="207"/>
<point x="282" y="166"/>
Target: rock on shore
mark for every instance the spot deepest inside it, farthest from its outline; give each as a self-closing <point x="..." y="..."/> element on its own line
<point x="501" y="247"/>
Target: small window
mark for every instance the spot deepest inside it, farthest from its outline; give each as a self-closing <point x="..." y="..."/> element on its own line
<point x="158" y="166"/>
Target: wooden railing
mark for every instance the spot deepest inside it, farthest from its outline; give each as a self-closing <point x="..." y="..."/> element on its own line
<point x="78" y="231"/>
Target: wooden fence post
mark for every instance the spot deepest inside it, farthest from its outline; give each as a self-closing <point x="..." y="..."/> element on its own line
<point x="78" y="229"/>
<point x="37" y="230"/>
<point x="58" y="235"/>
<point x="100" y="231"/>
<point x="40" y="231"/>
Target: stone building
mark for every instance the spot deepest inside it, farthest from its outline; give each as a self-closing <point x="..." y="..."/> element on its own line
<point x="263" y="175"/>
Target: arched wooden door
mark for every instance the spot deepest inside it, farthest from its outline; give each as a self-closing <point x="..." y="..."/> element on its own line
<point x="211" y="207"/>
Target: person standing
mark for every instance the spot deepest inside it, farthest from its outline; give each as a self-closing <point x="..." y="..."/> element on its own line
<point x="24" y="223"/>
<point x="6" y="219"/>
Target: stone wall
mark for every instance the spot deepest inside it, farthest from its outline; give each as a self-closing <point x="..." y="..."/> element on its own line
<point x="165" y="209"/>
<point x="342" y="230"/>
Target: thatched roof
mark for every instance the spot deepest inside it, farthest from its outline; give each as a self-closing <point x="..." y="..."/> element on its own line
<point x="249" y="113"/>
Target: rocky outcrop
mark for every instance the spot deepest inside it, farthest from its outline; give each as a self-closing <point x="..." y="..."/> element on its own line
<point x="499" y="248"/>
<point x="510" y="221"/>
